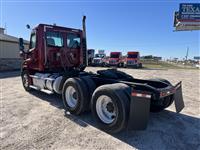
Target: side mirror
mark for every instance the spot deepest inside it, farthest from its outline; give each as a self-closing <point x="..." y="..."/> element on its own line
<point x="21" y="44"/>
<point x="28" y="26"/>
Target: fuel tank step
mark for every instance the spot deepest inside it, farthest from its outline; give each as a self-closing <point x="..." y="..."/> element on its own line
<point x="43" y="90"/>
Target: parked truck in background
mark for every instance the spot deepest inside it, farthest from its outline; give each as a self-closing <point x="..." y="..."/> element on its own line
<point x="116" y="59"/>
<point x="55" y="63"/>
<point x="91" y="54"/>
<point x="98" y="60"/>
<point x="133" y="60"/>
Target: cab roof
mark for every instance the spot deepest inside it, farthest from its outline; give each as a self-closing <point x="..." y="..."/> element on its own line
<point x="133" y="52"/>
<point x="116" y="52"/>
<point x="58" y="27"/>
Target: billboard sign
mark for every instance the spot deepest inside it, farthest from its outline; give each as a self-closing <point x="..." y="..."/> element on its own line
<point x="189" y="11"/>
<point x="197" y="57"/>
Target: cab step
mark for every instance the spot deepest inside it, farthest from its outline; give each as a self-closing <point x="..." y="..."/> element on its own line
<point x="43" y="90"/>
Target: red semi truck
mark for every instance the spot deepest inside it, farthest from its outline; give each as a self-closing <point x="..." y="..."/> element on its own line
<point x="133" y="60"/>
<point x="116" y="59"/>
<point x="55" y="63"/>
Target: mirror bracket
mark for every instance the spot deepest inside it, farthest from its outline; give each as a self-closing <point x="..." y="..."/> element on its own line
<point x="21" y="45"/>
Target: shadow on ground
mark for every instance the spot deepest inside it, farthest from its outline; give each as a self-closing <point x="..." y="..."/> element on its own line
<point x="166" y="130"/>
<point x="9" y="74"/>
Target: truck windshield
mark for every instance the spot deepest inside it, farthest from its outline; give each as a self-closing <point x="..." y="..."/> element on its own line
<point x="73" y="40"/>
<point x="99" y="55"/>
<point x="54" y="39"/>
<point x="114" y="55"/>
<point x="132" y="56"/>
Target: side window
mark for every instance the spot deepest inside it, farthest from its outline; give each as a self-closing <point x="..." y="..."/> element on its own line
<point x="32" y="41"/>
<point x="73" y="40"/>
<point x="54" y="39"/>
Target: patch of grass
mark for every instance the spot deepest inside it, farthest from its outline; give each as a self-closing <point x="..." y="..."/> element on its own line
<point x="164" y="65"/>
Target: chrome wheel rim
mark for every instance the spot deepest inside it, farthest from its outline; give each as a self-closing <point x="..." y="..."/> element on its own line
<point x="106" y="110"/>
<point x="25" y="80"/>
<point x="71" y="96"/>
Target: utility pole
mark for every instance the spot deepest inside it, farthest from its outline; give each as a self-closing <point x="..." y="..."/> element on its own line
<point x="186" y="57"/>
<point x="5" y="27"/>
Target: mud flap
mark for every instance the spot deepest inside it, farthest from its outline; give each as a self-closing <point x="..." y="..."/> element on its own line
<point x="139" y="113"/>
<point x="178" y="99"/>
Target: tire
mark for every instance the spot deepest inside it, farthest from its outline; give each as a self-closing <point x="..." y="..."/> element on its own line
<point x="103" y="64"/>
<point x="140" y="65"/>
<point x="158" y="106"/>
<point x="155" y="109"/>
<point x="116" y="93"/>
<point x="120" y="65"/>
<point x="91" y="86"/>
<point x="75" y="96"/>
<point x="26" y="80"/>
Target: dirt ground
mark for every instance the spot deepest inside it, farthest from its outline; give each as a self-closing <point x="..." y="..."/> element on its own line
<point x="38" y="121"/>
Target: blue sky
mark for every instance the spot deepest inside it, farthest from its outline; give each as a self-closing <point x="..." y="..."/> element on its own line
<point x="146" y="26"/>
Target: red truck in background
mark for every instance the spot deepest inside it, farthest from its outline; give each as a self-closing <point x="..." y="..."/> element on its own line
<point x="133" y="60"/>
<point x="116" y="59"/>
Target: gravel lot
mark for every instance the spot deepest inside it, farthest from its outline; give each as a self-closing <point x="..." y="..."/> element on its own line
<point x="37" y="120"/>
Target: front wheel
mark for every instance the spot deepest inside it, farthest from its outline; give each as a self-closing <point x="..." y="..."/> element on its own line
<point x="120" y="65"/>
<point x="26" y="80"/>
<point x="140" y="65"/>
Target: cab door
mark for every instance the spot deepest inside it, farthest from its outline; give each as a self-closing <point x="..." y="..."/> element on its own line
<point x="31" y="57"/>
<point x="54" y="48"/>
<point x="73" y="48"/>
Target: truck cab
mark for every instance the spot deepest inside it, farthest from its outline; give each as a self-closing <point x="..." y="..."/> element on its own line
<point x="116" y="59"/>
<point x="133" y="60"/>
<point x="55" y="62"/>
<point x="99" y="60"/>
<point x="54" y="48"/>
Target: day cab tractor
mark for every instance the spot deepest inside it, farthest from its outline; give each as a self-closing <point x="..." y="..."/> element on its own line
<point x="99" y="60"/>
<point x="116" y="59"/>
<point x="90" y="53"/>
<point x="133" y="60"/>
<point x="55" y="63"/>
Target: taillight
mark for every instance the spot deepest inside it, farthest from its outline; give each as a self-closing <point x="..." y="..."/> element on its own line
<point x="166" y="93"/>
<point x="137" y="94"/>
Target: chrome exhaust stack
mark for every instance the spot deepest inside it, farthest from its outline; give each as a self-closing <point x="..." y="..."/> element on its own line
<point x="84" y="43"/>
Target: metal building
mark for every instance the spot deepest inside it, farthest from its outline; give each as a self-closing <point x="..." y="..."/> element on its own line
<point x="9" y="51"/>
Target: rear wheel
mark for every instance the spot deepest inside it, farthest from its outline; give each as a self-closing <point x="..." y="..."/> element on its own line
<point x="157" y="106"/>
<point x="110" y="107"/>
<point x="160" y="105"/>
<point x="75" y="96"/>
<point x="91" y="86"/>
<point x="26" y="80"/>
